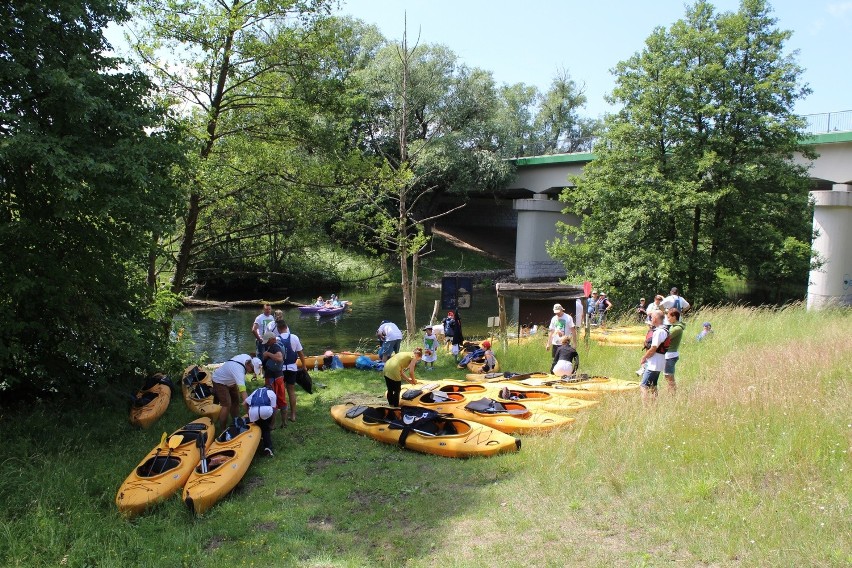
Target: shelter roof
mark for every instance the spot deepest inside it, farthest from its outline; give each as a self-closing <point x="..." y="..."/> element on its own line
<point x="551" y="291"/>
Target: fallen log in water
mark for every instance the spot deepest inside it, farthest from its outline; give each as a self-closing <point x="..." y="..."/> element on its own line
<point x="191" y="302"/>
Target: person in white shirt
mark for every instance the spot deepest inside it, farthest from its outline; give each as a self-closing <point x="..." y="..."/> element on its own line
<point x="229" y="385"/>
<point x="260" y="325"/>
<point x="391" y="338"/>
<point x="261" y="408"/>
<point x="561" y="324"/>
<point x="673" y="300"/>
<point x="654" y="358"/>
<point x="291" y="346"/>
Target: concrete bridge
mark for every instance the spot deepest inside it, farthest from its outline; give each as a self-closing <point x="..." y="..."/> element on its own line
<point x="528" y="209"/>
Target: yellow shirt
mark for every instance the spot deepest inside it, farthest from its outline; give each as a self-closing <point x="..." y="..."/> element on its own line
<point x="396" y="364"/>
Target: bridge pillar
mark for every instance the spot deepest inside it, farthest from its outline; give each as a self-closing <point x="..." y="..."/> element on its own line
<point x="832" y="283"/>
<point x="537" y="219"/>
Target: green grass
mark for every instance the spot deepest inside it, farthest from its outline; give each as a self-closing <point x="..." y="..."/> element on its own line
<point x="749" y="465"/>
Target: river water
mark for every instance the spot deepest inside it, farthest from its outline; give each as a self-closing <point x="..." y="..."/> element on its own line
<point x="223" y="333"/>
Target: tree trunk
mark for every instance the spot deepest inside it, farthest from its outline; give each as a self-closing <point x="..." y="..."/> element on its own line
<point x="693" y="253"/>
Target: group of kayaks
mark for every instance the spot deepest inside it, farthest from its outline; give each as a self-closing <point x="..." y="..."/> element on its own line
<point x="477" y="417"/>
<point x="206" y="468"/>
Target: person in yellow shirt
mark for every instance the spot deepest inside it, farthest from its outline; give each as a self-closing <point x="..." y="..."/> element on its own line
<point x="400" y="366"/>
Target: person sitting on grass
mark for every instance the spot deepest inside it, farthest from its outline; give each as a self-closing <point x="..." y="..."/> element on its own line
<point x="490" y="359"/>
<point x="705" y="332"/>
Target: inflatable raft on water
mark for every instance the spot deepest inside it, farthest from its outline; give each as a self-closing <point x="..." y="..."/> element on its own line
<point x="424" y="431"/>
<point x="165" y="469"/>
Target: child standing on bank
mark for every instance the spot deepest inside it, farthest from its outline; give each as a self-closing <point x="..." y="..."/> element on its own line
<point x="430" y="348"/>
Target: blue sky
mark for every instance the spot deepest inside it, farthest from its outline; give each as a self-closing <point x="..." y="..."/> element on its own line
<point x="527" y="42"/>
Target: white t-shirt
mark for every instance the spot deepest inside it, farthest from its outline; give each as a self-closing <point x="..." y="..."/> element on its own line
<point x="262" y="322"/>
<point x="295" y="345"/>
<point x="256" y="412"/>
<point x="657" y="361"/>
<point x="673" y="302"/>
<point x="232" y="372"/>
<point x="390" y="331"/>
<point x="562" y="325"/>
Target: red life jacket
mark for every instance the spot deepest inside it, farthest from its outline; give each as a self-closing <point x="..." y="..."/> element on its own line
<point x="664" y="346"/>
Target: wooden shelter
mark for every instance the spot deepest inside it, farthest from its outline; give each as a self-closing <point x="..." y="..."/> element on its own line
<point x="536" y="302"/>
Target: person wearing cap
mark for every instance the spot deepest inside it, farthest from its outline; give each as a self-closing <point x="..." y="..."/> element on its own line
<point x="261" y="323"/>
<point x="642" y="310"/>
<point x="602" y="307"/>
<point x="674" y="300"/>
<point x="400" y="366"/>
<point x="430" y="348"/>
<point x="654" y="358"/>
<point x="566" y="360"/>
<point x="490" y="359"/>
<point x="705" y="331"/>
<point x="261" y="410"/>
<point x="229" y="384"/>
<point x="292" y="349"/>
<point x="273" y="373"/>
<point x="591" y="304"/>
<point x="391" y="338"/>
<point x="561" y="324"/>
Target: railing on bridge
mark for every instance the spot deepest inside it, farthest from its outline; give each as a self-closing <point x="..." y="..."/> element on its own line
<point x="826" y="122"/>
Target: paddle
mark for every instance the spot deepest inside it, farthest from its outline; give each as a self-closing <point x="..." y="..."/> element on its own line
<point x="201" y="443"/>
<point x="162" y="444"/>
<point x="513" y="377"/>
<point x="174" y="442"/>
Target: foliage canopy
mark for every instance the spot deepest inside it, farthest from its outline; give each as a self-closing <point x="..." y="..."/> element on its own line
<point x="694" y="173"/>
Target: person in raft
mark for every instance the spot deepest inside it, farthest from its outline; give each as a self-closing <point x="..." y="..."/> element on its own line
<point x="430" y="348"/>
<point x="490" y="359"/>
<point x="396" y="369"/>
<point x="229" y="385"/>
<point x="566" y="360"/>
<point x="261" y="410"/>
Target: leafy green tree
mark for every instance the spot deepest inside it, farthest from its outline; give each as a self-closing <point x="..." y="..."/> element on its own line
<point x="86" y="180"/>
<point x="255" y="84"/>
<point x="558" y="125"/>
<point x="428" y="125"/>
<point x="694" y="173"/>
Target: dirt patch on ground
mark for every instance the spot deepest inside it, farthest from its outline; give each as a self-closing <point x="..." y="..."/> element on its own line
<point x="361" y="398"/>
<point x="215" y="543"/>
<point x="322" y="464"/>
<point x="252" y="483"/>
<point x="321" y="523"/>
<point x="288" y="492"/>
<point x="266" y="527"/>
<point x="369" y="498"/>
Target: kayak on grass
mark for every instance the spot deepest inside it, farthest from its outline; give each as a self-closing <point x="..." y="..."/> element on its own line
<point x="533" y="399"/>
<point x="508" y="417"/>
<point x="197" y="388"/>
<point x="151" y="401"/>
<point x="165" y="469"/>
<point x="424" y="431"/>
<point x="226" y="463"/>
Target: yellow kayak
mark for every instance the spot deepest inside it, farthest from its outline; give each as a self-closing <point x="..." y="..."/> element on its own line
<point x="583" y="382"/>
<point x="535" y="400"/>
<point x="426" y="433"/>
<point x="508" y="417"/>
<point x="150" y="404"/>
<point x="165" y="469"/>
<point x="197" y="387"/>
<point x="227" y="462"/>
<point x="475" y="367"/>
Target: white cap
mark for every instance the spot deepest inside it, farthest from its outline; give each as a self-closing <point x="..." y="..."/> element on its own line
<point x="257" y="365"/>
<point x="260" y="412"/>
<point x="558" y="308"/>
